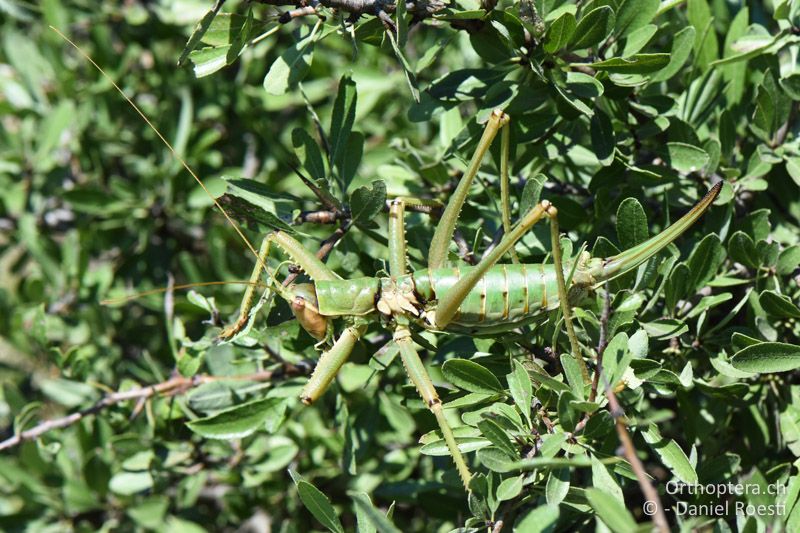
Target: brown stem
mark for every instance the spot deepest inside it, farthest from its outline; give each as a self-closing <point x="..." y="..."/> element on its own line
<point x="171" y="387"/>
<point x="629" y="450"/>
<point x="421" y="8"/>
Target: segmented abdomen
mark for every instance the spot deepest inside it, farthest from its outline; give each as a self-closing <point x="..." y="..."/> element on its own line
<point x="506" y="295"/>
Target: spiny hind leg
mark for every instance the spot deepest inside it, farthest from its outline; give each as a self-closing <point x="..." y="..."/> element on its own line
<point x="306" y="260"/>
<point x="437" y="255"/>
<point x="402" y="337"/>
<point x="448" y="305"/>
<point x="563" y="294"/>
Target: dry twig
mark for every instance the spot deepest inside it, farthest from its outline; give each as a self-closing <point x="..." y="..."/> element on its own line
<point x="174" y="386"/>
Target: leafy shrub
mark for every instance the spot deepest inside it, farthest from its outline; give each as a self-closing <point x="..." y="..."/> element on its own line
<point x="623" y="113"/>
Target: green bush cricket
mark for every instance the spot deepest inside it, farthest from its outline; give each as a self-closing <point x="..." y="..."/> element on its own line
<point x="486" y="299"/>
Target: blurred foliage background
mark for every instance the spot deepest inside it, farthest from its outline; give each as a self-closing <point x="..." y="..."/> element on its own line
<point x="624" y="112"/>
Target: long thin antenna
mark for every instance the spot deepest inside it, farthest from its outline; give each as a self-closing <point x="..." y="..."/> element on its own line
<point x="123" y="299"/>
<point x="167" y="144"/>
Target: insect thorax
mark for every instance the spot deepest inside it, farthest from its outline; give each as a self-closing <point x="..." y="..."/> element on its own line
<point x="348" y="297"/>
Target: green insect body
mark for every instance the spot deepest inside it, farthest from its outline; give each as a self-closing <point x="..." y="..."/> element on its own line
<point x="505" y="297"/>
<point x="486" y="299"/>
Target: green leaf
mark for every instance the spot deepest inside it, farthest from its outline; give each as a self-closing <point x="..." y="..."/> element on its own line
<point x="202" y="27"/>
<point x="677" y="286"/>
<point x="788" y="260"/>
<point x="764" y="114"/>
<point x="240" y="38"/>
<point x="130" y="483"/>
<point x="510" y="488"/>
<point x="209" y="60"/>
<point x="540" y="520"/>
<point x="603" y="140"/>
<point x="342" y="119"/>
<point x="635" y="14"/>
<point x="631" y="223"/>
<point x="367" y="202"/>
<point x="256" y="200"/>
<point x="742" y="249"/>
<point x="604" y="480"/>
<point x="665" y="328"/>
<point x="490" y="44"/>
<point x="793" y="168"/>
<point x="778" y="305"/>
<point x="616" y="358"/>
<point x="767" y="357"/>
<point x="706" y="46"/>
<point x="351" y="158"/>
<point x="557" y="485"/>
<point x="521" y="388"/>
<point x="240" y="421"/>
<point x="704" y="262"/>
<point x="559" y="33"/>
<point x="411" y="77"/>
<point x="573" y="373"/>
<point x="496" y="460"/>
<point x="593" y="27"/>
<point x="686" y="157"/>
<point x="681" y="49"/>
<point x="222" y="30"/>
<point x="498" y="436"/>
<point x="671" y="455"/>
<point x="470" y="376"/>
<point x="379" y="520"/>
<point x="611" y="511"/>
<point x="292" y="65"/>
<point x="319" y="505"/>
<point x="637" y="40"/>
<point x="309" y="154"/>
<point x="635" y="64"/>
<point x="438" y="448"/>
<point x="568" y="416"/>
<point x="791" y="85"/>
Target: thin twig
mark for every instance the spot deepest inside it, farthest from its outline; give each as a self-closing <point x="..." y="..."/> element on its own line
<point x="174" y="386"/>
<point x="419" y="8"/>
<point x="297" y="13"/>
<point x="602" y="342"/>
<point x="629" y="450"/>
<point x="463" y="248"/>
<point x="605" y="316"/>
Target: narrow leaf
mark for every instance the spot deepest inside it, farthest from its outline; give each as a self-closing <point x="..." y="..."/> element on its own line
<point x="611" y="511"/>
<point x="240" y="421"/>
<point x="595" y="26"/>
<point x="470" y="376"/>
<point x="767" y="357"/>
<point x="319" y="505"/>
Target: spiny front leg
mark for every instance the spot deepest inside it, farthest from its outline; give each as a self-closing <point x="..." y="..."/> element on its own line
<point x="306" y="260"/>
<point x="422" y="381"/>
<point x="249" y="294"/>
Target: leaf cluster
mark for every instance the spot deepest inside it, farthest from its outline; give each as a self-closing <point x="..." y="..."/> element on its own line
<point x="623" y="112"/>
